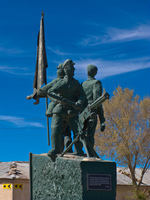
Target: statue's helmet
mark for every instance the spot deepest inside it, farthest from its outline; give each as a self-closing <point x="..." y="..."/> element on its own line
<point x="68" y="62"/>
<point x="92" y="69"/>
<point x="60" y="66"/>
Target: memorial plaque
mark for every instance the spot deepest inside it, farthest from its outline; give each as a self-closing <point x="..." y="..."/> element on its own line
<point x="98" y="182"/>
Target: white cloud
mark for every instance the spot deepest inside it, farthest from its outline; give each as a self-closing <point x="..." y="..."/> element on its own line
<point x="15" y="70"/>
<point x="112" y="67"/>
<point x="118" y="35"/>
<point x="58" y="52"/>
<point x="20" y="122"/>
<point x="10" y="50"/>
<point x="140" y="32"/>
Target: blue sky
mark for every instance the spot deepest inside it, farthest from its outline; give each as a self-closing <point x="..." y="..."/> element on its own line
<point x="113" y="35"/>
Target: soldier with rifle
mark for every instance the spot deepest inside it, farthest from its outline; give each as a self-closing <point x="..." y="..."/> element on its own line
<point x="63" y="113"/>
<point x="93" y="90"/>
<point x="81" y="123"/>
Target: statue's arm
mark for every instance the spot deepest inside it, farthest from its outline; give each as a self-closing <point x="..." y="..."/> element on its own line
<point x="82" y="95"/>
<point x="55" y="89"/>
<point x="43" y="91"/>
<point x="97" y="90"/>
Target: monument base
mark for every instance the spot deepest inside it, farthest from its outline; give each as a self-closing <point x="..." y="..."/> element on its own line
<point x="71" y="178"/>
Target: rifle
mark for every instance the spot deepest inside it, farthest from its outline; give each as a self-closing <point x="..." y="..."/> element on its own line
<point x="64" y="101"/>
<point x="85" y="115"/>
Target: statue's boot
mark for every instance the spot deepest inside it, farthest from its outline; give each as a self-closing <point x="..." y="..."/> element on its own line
<point x="90" y="134"/>
<point x="67" y="142"/>
<point x="91" y="142"/>
<point x="78" y="149"/>
<point x="55" y="142"/>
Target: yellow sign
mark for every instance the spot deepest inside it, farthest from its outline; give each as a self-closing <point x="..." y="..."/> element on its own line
<point x="6" y="186"/>
<point x="18" y="186"/>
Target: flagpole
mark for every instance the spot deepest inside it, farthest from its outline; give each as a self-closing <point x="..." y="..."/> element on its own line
<point x="47" y="123"/>
<point x="47" y="119"/>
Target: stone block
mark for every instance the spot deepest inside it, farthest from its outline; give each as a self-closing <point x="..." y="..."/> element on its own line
<point x="71" y="178"/>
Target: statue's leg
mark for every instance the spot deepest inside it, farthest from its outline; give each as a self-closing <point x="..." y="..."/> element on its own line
<point x="56" y="135"/>
<point x="91" y="126"/>
<point x="67" y="142"/>
<point x="67" y="136"/>
<point x="78" y="145"/>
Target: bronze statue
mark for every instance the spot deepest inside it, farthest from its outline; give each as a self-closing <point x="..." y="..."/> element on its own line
<point x="84" y="117"/>
<point x="42" y="92"/>
<point x="63" y="113"/>
<point x="93" y="90"/>
<point x="68" y="100"/>
<point x="66" y="133"/>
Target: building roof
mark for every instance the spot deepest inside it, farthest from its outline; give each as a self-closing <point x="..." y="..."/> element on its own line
<point x="16" y="169"/>
<point x="124" y="176"/>
<point x="20" y="170"/>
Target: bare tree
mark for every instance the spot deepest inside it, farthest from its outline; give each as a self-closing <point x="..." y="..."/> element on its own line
<point x="127" y="135"/>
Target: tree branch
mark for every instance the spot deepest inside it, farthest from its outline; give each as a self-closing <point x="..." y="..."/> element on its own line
<point x="144" y="170"/>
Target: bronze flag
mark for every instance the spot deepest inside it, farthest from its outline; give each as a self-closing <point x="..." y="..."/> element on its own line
<point x="41" y="63"/>
<point x="40" y="70"/>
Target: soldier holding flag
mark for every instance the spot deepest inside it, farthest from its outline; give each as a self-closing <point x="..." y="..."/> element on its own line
<point x="42" y="92"/>
<point x="40" y="79"/>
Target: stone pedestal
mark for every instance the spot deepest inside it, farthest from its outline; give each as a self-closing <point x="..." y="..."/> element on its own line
<point x="71" y="178"/>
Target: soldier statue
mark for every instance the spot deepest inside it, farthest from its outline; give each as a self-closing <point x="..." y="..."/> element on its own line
<point x="93" y="90"/>
<point x="63" y="114"/>
<point x="66" y="134"/>
<point x="43" y="91"/>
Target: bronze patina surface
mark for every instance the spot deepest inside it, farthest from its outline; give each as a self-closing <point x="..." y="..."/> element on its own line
<point x="93" y="90"/>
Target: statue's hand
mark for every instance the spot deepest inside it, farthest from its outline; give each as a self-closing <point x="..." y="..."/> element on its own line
<point x="41" y="93"/>
<point x="29" y="97"/>
<point x="79" y="105"/>
<point x="102" y="127"/>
